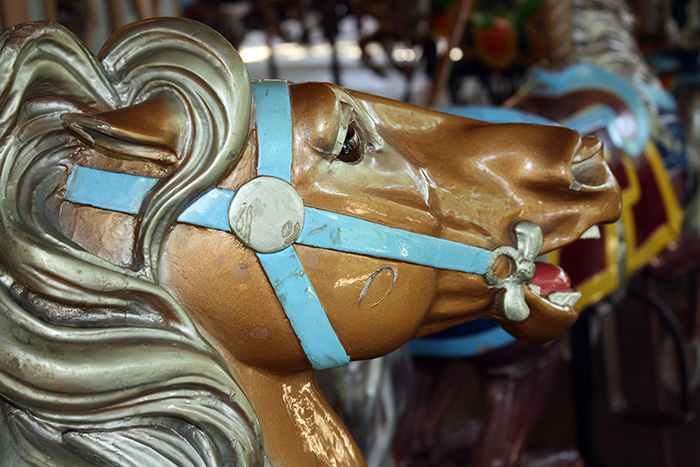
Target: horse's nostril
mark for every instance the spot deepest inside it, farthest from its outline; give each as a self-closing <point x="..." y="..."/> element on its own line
<point x="589" y="147"/>
<point x="588" y="165"/>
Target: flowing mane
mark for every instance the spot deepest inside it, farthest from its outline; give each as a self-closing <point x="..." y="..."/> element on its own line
<point x="603" y="36"/>
<point x="99" y="363"/>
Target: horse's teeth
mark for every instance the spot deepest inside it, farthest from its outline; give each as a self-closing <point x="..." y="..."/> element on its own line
<point x="592" y="233"/>
<point x="558" y="298"/>
<point x="564" y="298"/>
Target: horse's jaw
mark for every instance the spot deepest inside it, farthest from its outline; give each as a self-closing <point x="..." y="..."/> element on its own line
<point x="299" y="427"/>
<point x="532" y="300"/>
<point x="466" y="297"/>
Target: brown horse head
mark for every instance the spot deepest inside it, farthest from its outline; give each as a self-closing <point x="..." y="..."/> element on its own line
<point x="169" y="106"/>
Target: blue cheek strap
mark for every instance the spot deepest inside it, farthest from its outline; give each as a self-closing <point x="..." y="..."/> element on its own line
<point x="269" y="204"/>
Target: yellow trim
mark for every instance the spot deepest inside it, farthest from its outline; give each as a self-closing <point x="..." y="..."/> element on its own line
<point x="554" y="257"/>
<point x="630" y="197"/>
<point x="606" y="281"/>
<point x="633" y="192"/>
<point x="673" y="207"/>
<point x="639" y="256"/>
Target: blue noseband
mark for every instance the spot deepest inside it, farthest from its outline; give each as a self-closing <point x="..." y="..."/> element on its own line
<point x="321" y="229"/>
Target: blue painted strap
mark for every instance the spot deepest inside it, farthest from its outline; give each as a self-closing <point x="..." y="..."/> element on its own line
<point x="334" y="231"/>
<point x="304" y="310"/>
<point x="273" y="117"/>
<point x="125" y="193"/>
<point x="108" y="190"/>
<point x="209" y="210"/>
<point x="322" y="229"/>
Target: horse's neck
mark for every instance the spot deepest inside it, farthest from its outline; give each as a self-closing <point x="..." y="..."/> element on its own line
<point x="299" y="427"/>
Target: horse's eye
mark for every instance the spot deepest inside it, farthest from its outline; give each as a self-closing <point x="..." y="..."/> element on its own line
<point x="351" y="151"/>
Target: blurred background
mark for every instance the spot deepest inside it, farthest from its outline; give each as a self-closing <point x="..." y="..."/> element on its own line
<point x="386" y="47"/>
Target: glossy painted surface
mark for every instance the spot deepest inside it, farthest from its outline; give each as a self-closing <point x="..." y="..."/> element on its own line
<point x="401" y="166"/>
<point x="446" y="187"/>
<point x="273" y="119"/>
<point x="412" y="177"/>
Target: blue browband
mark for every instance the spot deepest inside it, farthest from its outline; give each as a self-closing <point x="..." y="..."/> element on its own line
<point x="317" y="228"/>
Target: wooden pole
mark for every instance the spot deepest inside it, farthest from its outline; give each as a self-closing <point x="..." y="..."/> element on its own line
<point x="444" y="67"/>
<point x="558" y="32"/>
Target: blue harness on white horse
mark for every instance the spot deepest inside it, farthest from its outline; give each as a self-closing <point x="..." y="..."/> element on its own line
<point x="269" y="204"/>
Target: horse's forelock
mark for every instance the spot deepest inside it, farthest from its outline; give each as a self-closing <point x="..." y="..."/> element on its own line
<point x="212" y="82"/>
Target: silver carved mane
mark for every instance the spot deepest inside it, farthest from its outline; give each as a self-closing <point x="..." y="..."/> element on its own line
<point x="604" y="36"/>
<point x="99" y="364"/>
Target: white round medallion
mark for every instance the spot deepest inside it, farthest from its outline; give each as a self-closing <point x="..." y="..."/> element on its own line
<point x="266" y="214"/>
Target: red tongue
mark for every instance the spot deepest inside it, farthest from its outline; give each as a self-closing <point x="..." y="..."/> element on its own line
<point x="551" y="278"/>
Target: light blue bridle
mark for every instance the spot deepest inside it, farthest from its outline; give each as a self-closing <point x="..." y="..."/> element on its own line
<point x="228" y="211"/>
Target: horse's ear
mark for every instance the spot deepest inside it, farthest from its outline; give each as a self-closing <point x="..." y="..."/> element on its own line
<point x="149" y="130"/>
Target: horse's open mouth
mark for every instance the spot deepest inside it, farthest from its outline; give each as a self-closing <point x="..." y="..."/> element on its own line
<point x="553" y="284"/>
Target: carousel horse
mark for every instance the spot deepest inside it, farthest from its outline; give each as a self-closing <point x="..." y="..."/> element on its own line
<point x="181" y="249"/>
<point x="620" y="102"/>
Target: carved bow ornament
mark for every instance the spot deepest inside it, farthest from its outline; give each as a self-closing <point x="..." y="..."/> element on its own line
<point x="528" y="245"/>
